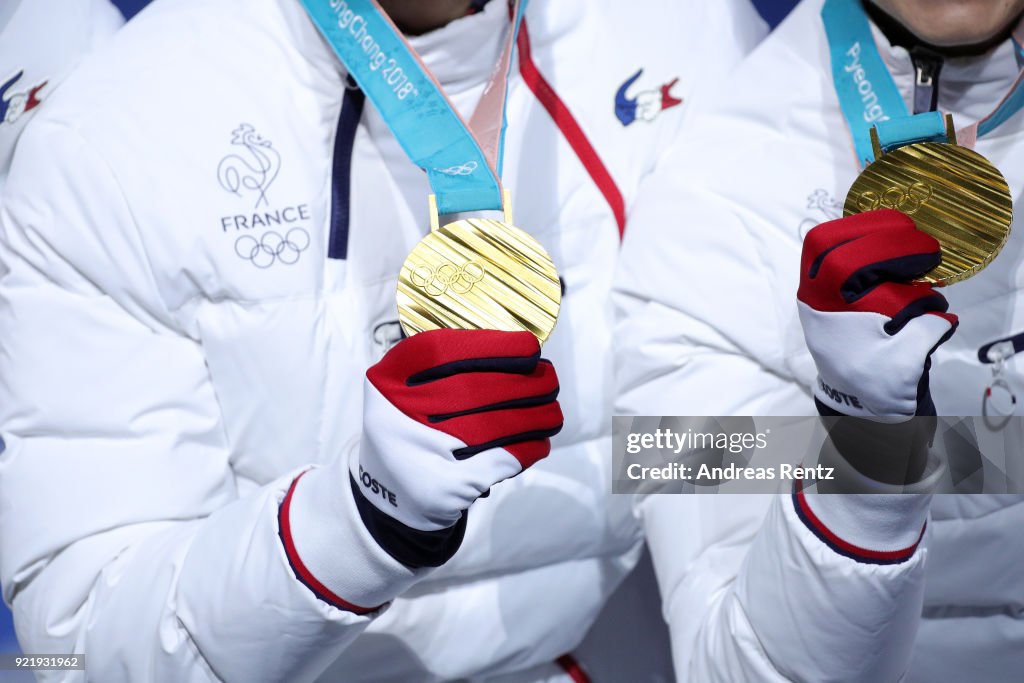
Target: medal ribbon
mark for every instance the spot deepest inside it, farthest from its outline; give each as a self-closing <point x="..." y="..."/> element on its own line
<point x="869" y="97"/>
<point x="463" y="162"/>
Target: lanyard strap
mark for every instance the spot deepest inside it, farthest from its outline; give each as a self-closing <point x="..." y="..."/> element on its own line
<point x="866" y="90"/>
<point x="868" y="95"/>
<point x="1011" y="103"/>
<point x="463" y="162"/>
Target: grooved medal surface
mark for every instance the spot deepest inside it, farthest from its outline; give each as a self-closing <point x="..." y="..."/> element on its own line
<point x="479" y="274"/>
<point x="953" y="193"/>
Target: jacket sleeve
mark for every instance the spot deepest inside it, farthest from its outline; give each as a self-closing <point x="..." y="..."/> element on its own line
<point x="754" y="587"/>
<point x="124" y="532"/>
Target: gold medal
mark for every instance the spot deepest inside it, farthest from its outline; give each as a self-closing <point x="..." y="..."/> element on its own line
<point x="478" y="274"/>
<point x="953" y="193"/>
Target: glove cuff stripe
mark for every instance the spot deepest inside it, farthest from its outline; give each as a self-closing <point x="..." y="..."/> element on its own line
<point x="844" y="548"/>
<point x="413" y="548"/>
<point x="302" y="573"/>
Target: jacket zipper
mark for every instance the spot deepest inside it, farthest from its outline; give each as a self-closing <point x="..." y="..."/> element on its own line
<point x="341" y="172"/>
<point x="927" y="67"/>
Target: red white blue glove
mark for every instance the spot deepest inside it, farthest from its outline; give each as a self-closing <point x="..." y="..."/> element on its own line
<point x="447" y="415"/>
<point x="870" y="326"/>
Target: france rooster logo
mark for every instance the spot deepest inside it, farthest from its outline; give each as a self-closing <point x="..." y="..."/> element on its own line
<point x="14" y="104"/>
<point x="647" y="104"/>
<point x="254" y="172"/>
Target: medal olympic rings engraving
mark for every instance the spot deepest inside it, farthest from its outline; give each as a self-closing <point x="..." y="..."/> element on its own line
<point x="908" y="200"/>
<point x="953" y="193"/>
<point x="479" y="274"/>
<point x="459" y="279"/>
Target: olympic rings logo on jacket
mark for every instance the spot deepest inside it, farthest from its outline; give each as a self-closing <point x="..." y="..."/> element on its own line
<point x="271" y="247"/>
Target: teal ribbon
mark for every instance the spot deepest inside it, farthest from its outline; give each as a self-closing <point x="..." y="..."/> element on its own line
<point x="412" y="103"/>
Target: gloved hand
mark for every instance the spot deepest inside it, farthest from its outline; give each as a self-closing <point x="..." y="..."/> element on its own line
<point x="870" y="328"/>
<point x="447" y="415"/>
